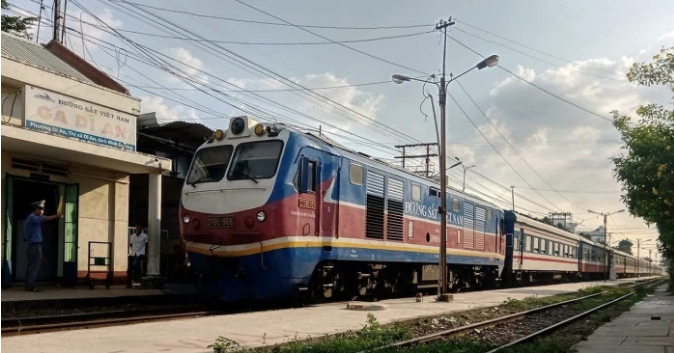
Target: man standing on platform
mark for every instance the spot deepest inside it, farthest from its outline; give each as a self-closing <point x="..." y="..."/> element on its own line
<point x="137" y="244"/>
<point x="33" y="236"/>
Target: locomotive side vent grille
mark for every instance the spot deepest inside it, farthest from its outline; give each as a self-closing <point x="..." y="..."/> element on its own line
<point x="374" y="206"/>
<point x="480" y="215"/>
<point x="394" y="219"/>
<point x="469" y="224"/>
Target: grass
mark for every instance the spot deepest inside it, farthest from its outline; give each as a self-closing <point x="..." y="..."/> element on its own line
<point x="373" y="334"/>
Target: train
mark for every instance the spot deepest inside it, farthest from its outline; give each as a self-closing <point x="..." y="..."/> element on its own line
<point x="270" y="212"/>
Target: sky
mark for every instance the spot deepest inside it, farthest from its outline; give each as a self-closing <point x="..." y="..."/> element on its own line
<point x="552" y="142"/>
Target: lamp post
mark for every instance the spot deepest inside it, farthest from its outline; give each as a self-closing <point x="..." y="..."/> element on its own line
<point x="442" y="86"/>
<point x="607" y="243"/>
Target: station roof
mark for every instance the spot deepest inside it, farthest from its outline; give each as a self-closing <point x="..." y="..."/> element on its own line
<point x="55" y="58"/>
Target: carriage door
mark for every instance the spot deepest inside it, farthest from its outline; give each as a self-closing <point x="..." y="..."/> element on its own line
<point x="329" y="172"/>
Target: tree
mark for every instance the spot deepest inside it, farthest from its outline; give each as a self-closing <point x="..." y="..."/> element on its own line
<point x="547" y="220"/>
<point x="646" y="171"/>
<point x="625" y="245"/>
<point x="585" y="235"/>
<point x="16" y="24"/>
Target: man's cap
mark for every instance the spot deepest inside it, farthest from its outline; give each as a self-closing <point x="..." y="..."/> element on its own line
<point x="38" y="204"/>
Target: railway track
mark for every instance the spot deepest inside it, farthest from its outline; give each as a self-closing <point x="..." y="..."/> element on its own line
<point x="52" y="323"/>
<point x="480" y="326"/>
<point x="42" y="324"/>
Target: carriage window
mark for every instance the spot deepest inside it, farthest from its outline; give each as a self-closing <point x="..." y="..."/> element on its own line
<point x="433" y="192"/>
<point x="356" y="174"/>
<point x="210" y="164"/>
<point x="416" y="192"/>
<point x="255" y="160"/>
<point x="455" y="204"/>
<point x="311" y="174"/>
<point x="489" y="215"/>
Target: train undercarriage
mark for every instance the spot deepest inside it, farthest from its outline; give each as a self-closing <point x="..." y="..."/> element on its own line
<point x="349" y="280"/>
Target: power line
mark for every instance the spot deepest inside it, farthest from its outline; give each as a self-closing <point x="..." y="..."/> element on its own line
<point x="279" y="24"/>
<point x="573" y="191"/>
<point x="511" y="146"/>
<point x="531" y="83"/>
<point x="328" y="39"/>
<point x="497" y="151"/>
<point x="535" y="57"/>
<point x="528" y="47"/>
<point x="286" y="81"/>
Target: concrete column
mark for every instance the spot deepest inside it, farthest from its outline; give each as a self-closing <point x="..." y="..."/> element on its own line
<point x="154" y="224"/>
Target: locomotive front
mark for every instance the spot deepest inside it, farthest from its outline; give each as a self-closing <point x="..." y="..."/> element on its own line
<point x="232" y="204"/>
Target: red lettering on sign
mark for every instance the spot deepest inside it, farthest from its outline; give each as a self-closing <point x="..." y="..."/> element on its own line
<point x="120" y="132"/>
<point x="44" y="112"/>
<point x="61" y="117"/>
<point x="107" y="130"/>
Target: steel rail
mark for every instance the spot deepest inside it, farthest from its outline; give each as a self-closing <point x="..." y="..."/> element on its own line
<point x="569" y="320"/>
<point x="441" y="334"/>
<point x="491" y="322"/>
<point x="33" y="329"/>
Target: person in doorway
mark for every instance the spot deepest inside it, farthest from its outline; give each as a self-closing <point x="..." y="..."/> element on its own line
<point x="137" y="246"/>
<point x="33" y="236"/>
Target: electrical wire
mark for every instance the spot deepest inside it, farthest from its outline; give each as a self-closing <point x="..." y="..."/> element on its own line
<point x="279" y="24"/>
<point x="531" y="83"/>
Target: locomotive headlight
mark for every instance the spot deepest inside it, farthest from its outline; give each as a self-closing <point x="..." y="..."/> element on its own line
<point x="261" y="216"/>
<point x="218" y="135"/>
<point x="259" y="130"/>
<point x="186" y="218"/>
<point x="238" y="125"/>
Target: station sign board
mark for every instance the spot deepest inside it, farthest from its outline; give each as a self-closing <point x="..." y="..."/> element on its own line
<point x="65" y="116"/>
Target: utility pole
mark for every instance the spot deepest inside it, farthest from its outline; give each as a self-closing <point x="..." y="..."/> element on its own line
<point x="606" y="215"/>
<point x="638" y="258"/>
<point x="57" y="21"/>
<point x="442" y="86"/>
<point x="513" y="192"/>
<point x="464" y="175"/>
<point x="427" y="156"/>
<point x="561" y="216"/>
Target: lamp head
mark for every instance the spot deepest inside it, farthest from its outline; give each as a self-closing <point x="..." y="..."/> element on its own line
<point x="398" y="79"/>
<point x="488" y="62"/>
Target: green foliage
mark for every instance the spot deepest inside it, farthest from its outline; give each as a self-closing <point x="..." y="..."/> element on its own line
<point x="224" y="345"/>
<point x="371" y="335"/>
<point x="646" y="169"/>
<point x="16" y="24"/>
<point x="625" y="245"/>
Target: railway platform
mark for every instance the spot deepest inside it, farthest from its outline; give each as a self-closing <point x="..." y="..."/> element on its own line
<point x="16" y="299"/>
<point x="261" y="328"/>
<point x="648" y="327"/>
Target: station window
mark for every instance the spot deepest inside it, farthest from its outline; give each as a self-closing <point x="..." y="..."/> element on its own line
<point x="455" y="204"/>
<point x="416" y="192"/>
<point x="356" y="174"/>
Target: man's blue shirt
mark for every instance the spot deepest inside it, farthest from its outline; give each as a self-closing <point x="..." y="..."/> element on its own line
<point x="33" y="228"/>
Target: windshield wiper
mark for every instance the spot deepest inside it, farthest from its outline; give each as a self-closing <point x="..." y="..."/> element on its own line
<point x="202" y="178"/>
<point x="244" y="175"/>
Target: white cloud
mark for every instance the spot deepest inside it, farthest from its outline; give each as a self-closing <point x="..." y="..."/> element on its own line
<point x="351" y="98"/>
<point x="191" y="68"/>
<point x="568" y="147"/>
<point x="166" y="113"/>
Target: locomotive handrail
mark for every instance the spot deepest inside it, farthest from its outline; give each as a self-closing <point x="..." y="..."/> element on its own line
<point x="221" y="190"/>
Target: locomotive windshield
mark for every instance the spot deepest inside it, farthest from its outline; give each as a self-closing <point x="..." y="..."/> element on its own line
<point x="210" y="164"/>
<point x="255" y="160"/>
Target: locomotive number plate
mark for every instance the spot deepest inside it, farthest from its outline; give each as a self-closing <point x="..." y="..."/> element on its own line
<point x="225" y="221"/>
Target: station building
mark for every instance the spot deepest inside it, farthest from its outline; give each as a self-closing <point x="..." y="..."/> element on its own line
<point x="69" y="132"/>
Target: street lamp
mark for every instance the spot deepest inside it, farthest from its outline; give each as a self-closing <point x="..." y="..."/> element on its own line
<point x="607" y="243"/>
<point x="463" y="186"/>
<point x="442" y="86"/>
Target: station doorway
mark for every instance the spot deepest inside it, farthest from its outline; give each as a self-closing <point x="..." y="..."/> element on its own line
<point x="59" y="247"/>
